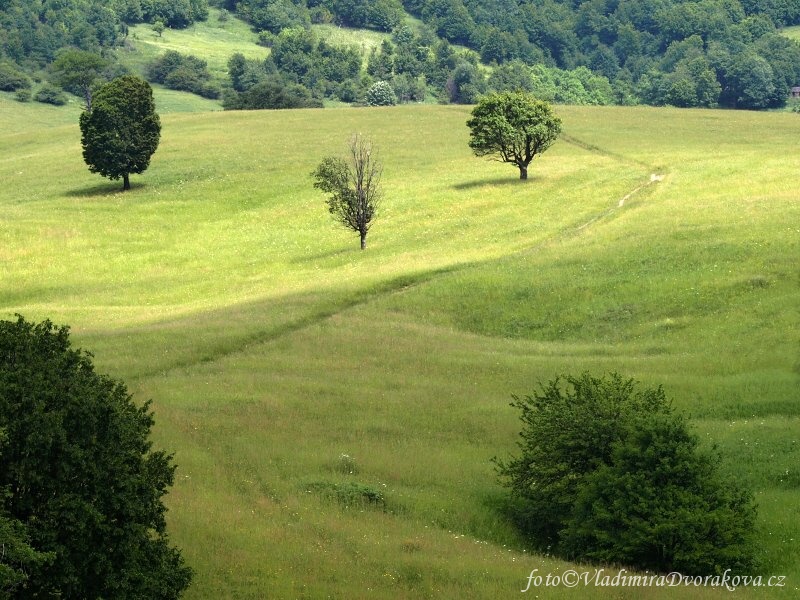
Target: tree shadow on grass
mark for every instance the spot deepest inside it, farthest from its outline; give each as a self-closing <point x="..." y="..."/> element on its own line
<point x="102" y="189"/>
<point x="507" y="181"/>
<point x="324" y="255"/>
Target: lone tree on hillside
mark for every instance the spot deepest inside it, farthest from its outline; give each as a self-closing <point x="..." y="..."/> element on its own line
<point x="353" y="185"/>
<point x="121" y="130"/>
<point x="80" y="487"/>
<point x="513" y="125"/>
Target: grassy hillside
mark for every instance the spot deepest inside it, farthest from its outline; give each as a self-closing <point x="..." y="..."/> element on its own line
<point x="212" y="40"/>
<point x="272" y="346"/>
<point x="792" y="32"/>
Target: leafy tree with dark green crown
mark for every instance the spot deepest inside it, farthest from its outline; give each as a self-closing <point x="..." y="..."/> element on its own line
<point x="80" y="486"/>
<point x="121" y="131"/>
<point x="514" y="126"/>
<point x="608" y="472"/>
<point x="17" y="558"/>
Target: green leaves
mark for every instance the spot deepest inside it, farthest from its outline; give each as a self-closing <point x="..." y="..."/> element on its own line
<point x="85" y="489"/>
<point x="515" y="126"/>
<point x="609" y="473"/>
<point x="354" y="186"/>
<point x="122" y="130"/>
<point x="78" y="70"/>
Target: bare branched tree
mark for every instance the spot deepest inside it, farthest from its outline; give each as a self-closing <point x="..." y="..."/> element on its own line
<point x="353" y="185"/>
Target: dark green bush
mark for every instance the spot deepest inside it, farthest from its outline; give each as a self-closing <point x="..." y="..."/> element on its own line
<point x="11" y="78"/>
<point x="349" y="494"/>
<point x="271" y="94"/>
<point x="347" y="91"/>
<point x="49" y="94"/>
<point x="182" y="72"/>
<point x="185" y="79"/>
<point x="610" y="473"/>
<point x="175" y="15"/>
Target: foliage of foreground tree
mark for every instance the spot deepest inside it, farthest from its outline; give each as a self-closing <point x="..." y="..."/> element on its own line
<point x="610" y="473"/>
<point x="353" y="185"/>
<point x="514" y="127"/>
<point x="121" y="131"/>
<point x="80" y="487"/>
<point x="17" y="558"/>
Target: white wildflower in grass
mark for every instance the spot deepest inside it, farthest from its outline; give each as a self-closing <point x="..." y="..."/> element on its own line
<point x="346" y="465"/>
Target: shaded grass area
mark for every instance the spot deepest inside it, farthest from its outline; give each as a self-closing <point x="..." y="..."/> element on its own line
<point x="173" y="101"/>
<point x="21" y="117"/>
<point x="271" y="345"/>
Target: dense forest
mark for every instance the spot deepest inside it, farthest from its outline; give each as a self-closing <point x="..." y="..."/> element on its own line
<point x="679" y="52"/>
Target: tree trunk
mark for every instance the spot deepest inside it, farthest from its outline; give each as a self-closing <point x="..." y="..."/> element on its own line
<point x="363" y="239"/>
<point x="126" y="183"/>
<point x="523" y="172"/>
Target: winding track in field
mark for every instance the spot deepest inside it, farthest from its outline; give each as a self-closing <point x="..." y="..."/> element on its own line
<point x="401" y="283"/>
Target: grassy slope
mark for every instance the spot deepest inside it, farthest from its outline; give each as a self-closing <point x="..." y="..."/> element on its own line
<point x="792" y="32"/>
<point x="271" y="345"/>
<point x="216" y="41"/>
<point x="212" y="40"/>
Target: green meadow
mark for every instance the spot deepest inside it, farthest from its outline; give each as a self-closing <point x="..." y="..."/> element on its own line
<point x="213" y="40"/>
<point x="334" y="412"/>
<point x="792" y="32"/>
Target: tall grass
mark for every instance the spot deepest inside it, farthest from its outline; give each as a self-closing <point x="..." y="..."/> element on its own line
<point x="271" y="345"/>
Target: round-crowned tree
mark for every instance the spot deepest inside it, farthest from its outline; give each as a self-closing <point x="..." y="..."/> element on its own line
<point x="608" y="472"/>
<point x="380" y="93"/>
<point x="513" y="127"/>
<point x="81" y="485"/>
<point x="121" y="130"/>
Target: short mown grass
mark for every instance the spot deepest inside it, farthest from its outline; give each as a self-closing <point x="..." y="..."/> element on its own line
<point x="272" y="346"/>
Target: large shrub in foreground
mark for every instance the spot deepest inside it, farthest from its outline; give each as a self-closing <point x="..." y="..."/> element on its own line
<point x="83" y="488"/>
<point x="608" y="472"/>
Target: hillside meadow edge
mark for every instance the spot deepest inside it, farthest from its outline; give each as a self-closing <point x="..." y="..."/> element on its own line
<point x="271" y="346"/>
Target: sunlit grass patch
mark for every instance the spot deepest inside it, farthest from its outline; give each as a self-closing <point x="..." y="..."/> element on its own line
<point x="213" y="41"/>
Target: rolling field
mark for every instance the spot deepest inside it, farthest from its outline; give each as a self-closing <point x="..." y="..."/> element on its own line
<point x="295" y="376"/>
